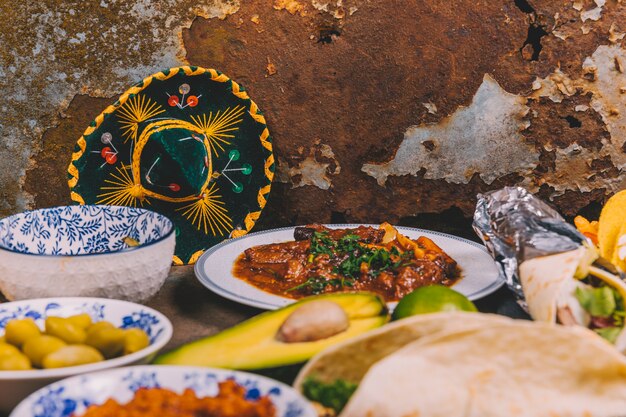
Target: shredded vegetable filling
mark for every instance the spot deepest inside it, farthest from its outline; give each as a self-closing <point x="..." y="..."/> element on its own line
<point x="604" y="305"/>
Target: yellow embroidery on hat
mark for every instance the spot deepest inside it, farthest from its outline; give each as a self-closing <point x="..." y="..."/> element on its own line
<point x="123" y="191"/>
<point x="216" y="127"/>
<point x="134" y="111"/>
<point x="209" y="212"/>
<point x="118" y="187"/>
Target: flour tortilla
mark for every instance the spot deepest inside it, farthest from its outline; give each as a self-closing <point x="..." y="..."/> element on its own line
<point x="492" y="368"/>
<point x="351" y="359"/>
<point x="546" y="279"/>
<point x="521" y="369"/>
<point x="548" y="283"/>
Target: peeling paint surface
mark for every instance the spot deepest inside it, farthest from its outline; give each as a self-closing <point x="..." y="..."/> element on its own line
<point x="595" y="13"/>
<point x="574" y="166"/>
<point x="54" y="50"/>
<point x="483" y="138"/>
<point x="316" y="169"/>
<point x="375" y="114"/>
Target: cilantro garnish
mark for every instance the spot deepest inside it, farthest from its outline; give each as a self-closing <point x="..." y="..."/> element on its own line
<point x="357" y="258"/>
<point x="334" y="395"/>
<point x="317" y="284"/>
<point x="321" y="243"/>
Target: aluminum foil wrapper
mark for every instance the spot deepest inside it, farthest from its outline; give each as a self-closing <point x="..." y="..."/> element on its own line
<point x="516" y="226"/>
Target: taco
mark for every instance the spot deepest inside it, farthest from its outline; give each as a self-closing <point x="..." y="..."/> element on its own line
<point x="566" y="288"/>
<point x="492" y="367"/>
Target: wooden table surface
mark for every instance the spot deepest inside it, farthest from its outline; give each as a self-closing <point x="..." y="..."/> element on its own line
<point x="196" y="312"/>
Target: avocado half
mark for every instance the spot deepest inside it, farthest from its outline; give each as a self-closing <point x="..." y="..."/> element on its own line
<point x="253" y="344"/>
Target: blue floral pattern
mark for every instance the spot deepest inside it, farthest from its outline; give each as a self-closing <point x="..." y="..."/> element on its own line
<point x="72" y="395"/>
<point x="81" y="230"/>
<point x="21" y="312"/>
<point x="144" y="321"/>
<point x="55" y="403"/>
<point x="138" y="380"/>
<point x="294" y="409"/>
<point x="97" y="310"/>
<point x="203" y="383"/>
<point x="207" y="384"/>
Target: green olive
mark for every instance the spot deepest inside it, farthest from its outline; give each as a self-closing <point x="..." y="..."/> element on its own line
<point x="135" y="340"/>
<point x="81" y="320"/>
<point x="72" y="355"/>
<point x="18" y="331"/>
<point x="109" y="341"/>
<point x="99" y="325"/>
<point x="7" y="349"/>
<point x="14" y="362"/>
<point x="65" y="330"/>
<point x="36" y="348"/>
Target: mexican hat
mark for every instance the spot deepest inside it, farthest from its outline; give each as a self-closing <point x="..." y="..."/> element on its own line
<point x="187" y="142"/>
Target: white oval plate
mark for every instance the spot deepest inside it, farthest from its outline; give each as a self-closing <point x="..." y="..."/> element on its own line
<point x="214" y="268"/>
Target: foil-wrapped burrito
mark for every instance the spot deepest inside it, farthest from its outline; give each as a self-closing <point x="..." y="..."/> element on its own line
<point x="550" y="265"/>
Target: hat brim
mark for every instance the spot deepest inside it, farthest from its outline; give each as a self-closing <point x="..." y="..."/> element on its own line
<point x="106" y="167"/>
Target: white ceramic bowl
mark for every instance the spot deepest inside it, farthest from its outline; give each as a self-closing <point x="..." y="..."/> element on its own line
<point x="80" y="251"/>
<point x="73" y="395"/>
<point x="16" y="385"/>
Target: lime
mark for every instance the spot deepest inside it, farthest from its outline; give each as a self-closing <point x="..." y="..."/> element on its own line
<point x="432" y="299"/>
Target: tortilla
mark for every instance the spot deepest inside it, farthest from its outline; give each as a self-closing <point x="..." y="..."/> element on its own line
<point x="549" y="283"/>
<point x="514" y="370"/>
<point x="347" y="361"/>
<point x="493" y="367"/>
<point x="544" y="279"/>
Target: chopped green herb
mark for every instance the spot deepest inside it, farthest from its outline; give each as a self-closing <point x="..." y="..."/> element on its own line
<point x="317" y="284"/>
<point x="321" y="243"/>
<point x="314" y="284"/>
<point x="355" y="254"/>
<point x="334" y="395"/>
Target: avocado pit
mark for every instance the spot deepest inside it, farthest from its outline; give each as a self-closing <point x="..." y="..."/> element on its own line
<point x="315" y="320"/>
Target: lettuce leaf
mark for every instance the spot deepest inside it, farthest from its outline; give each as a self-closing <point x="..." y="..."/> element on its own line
<point x="598" y="302"/>
<point x="609" y="333"/>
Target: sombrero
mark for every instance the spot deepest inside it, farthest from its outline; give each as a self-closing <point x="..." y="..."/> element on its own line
<point x="187" y="142"/>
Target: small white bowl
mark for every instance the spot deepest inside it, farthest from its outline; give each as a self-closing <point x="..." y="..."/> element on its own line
<point x="81" y="251"/>
<point x="16" y="385"/>
<point x="74" y="395"/>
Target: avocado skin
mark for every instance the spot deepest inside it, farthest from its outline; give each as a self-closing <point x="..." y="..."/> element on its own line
<point x="252" y="345"/>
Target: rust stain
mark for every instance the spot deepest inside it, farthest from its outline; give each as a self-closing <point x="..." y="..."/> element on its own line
<point x="316" y="169"/>
<point x="353" y="76"/>
<point x="54" y="50"/>
<point x="58" y="143"/>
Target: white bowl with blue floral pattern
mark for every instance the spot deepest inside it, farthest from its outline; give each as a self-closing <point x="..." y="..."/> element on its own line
<point x="16" y="385"/>
<point x="74" y="395"/>
<point x="83" y="251"/>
